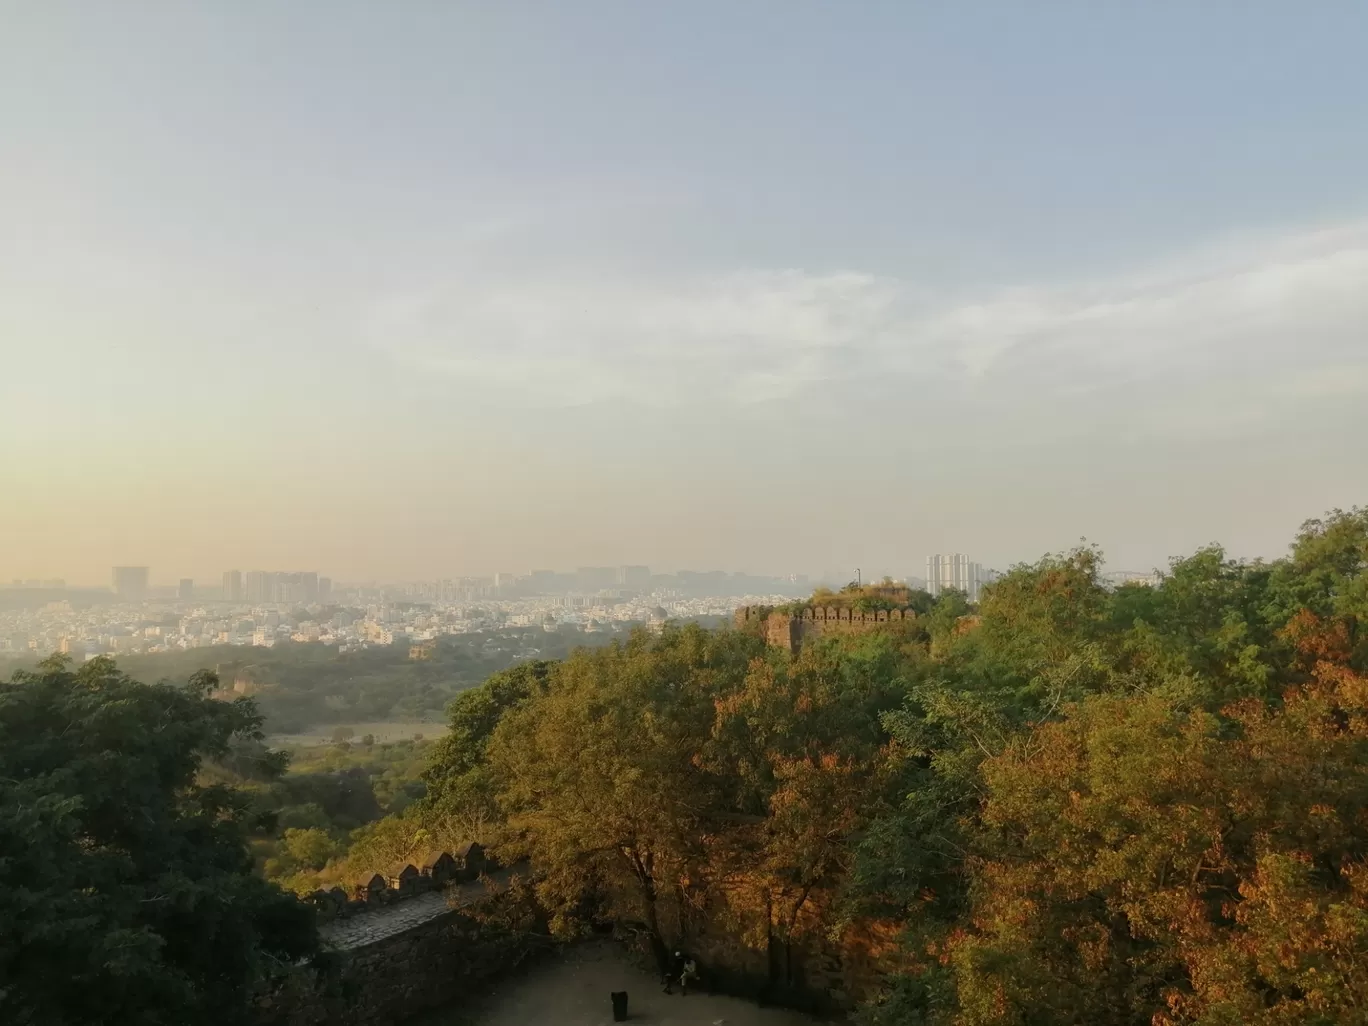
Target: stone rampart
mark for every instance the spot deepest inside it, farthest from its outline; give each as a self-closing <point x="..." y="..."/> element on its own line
<point x="380" y="890"/>
<point x="405" y="944"/>
<point x="398" y="975"/>
<point x="788" y="630"/>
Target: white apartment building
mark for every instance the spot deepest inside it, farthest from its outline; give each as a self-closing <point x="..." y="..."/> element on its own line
<point x="954" y="572"/>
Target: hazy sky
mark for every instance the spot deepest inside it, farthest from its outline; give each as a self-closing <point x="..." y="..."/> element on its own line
<point x="417" y="289"/>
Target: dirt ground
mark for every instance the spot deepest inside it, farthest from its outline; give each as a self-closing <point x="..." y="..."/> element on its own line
<point x="573" y="990"/>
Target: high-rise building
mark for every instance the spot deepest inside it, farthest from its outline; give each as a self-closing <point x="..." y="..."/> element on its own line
<point x="130" y="583"/>
<point x="257" y="586"/>
<point x="186" y="589"/>
<point x="595" y="578"/>
<point x="542" y="582"/>
<point x="293" y="588"/>
<point x="307" y="583"/>
<point x="954" y="572"/>
<point x="232" y="586"/>
<point x="300" y="587"/>
<point x="634" y="578"/>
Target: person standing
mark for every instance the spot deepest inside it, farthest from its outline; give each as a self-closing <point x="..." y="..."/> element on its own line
<point x="688" y="974"/>
<point x="674" y="971"/>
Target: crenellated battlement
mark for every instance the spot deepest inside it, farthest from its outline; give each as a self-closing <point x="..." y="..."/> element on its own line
<point x="380" y="890"/>
<point x="788" y="628"/>
<point x="756" y="614"/>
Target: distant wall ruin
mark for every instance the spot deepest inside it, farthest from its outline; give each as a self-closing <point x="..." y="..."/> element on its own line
<point x="788" y="630"/>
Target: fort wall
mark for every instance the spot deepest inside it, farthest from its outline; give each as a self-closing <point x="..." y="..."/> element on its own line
<point x="400" y="945"/>
<point x="380" y="891"/>
<point x="429" y="965"/>
<point x="789" y="630"/>
<point x="425" y="938"/>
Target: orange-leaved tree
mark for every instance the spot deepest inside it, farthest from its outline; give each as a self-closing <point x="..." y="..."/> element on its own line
<point x="1143" y="863"/>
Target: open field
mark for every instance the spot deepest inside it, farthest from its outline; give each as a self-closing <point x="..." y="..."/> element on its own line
<point x="384" y="732"/>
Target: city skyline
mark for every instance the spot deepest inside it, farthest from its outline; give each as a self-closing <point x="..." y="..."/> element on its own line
<point x="936" y="572"/>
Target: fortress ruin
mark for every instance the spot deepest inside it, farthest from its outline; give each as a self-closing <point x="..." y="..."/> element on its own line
<point x="790" y="628"/>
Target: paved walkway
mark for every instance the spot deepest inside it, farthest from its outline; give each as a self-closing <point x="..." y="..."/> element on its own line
<point x="573" y="988"/>
<point x="370" y="927"/>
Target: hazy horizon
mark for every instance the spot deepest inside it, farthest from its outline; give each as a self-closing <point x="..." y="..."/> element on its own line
<point x="409" y="292"/>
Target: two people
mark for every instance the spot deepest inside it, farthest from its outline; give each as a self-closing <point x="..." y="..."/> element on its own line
<point x="681" y="969"/>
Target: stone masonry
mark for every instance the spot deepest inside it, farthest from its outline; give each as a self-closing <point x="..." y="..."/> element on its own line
<point x="401" y="945"/>
<point x="788" y="630"/>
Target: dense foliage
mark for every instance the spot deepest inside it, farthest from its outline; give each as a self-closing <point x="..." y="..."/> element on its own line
<point x="327" y="799"/>
<point x="299" y="687"/>
<point x="392" y="803"/>
<point x="1073" y="803"/>
<point x="126" y="885"/>
<point x="302" y="685"/>
<point x="1068" y="804"/>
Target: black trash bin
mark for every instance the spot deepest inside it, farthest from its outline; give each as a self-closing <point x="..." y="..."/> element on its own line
<point x="619" y="1006"/>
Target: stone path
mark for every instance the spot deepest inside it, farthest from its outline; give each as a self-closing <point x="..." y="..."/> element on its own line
<point x="573" y="988"/>
<point x="370" y="927"/>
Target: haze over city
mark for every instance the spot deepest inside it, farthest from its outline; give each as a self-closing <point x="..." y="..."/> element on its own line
<point x="777" y="288"/>
<point x="766" y="513"/>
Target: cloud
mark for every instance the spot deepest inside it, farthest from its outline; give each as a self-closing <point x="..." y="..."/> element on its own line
<point x="740" y="337"/>
<point x="1296" y="303"/>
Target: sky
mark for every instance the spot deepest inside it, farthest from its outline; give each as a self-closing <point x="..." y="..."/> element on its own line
<point x="414" y="290"/>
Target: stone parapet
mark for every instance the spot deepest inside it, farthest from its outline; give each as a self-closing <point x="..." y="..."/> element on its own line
<point x="788" y="629"/>
<point x="409" y="882"/>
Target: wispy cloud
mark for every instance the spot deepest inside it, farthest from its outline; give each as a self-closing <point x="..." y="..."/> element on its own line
<point x="1299" y="301"/>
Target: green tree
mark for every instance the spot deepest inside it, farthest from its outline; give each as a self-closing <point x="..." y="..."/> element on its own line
<point x="460" y="787"/>
<point x="1144" y="864"/>
<point x="411" y="837"/>
<point x="800" y="754"/>
<point x="126" y="891"/>
<point x="311" y="848"/>
<point x="599" y="777"/>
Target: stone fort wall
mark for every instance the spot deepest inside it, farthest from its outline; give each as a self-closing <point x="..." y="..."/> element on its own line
<point x="433" y="963"/>
<point x="426" y="938"/>
<point x="788" y="630"/>
<point x="399" y="945"/>
<point x="380" y="891"/>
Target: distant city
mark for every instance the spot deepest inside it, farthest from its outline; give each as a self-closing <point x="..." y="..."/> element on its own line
<point x="270" y="607"/>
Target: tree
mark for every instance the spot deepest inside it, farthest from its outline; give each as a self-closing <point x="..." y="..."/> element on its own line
<point x="1326" y="571"/>
<point x="1146" y="863"/>
<point x="390" y="843"/>
<point x="460" y="789"/>
<point x="598" y="776"/>
<point x="310" y="848"/>
<point x="126" y="890"/>
<point x="801" y="746"/>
